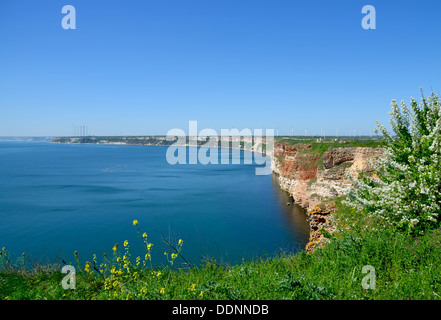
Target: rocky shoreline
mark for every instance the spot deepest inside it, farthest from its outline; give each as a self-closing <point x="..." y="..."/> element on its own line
<point x="311" y="177"/>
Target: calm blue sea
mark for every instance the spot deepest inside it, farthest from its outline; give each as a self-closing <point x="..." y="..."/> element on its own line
<point x="56" y="199"/>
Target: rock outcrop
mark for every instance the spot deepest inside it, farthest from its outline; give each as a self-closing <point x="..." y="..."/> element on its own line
<point x="311" y="177"/>
<point x="320" y="225"/>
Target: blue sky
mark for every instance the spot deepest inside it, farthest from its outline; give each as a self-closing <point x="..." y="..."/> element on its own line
<point x="143" y="67"/>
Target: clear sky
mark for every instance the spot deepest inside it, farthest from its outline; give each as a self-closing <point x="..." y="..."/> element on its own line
<point x="140" y="67"/>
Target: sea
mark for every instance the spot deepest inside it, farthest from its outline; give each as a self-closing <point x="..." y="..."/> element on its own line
<point x="56" y="199"/>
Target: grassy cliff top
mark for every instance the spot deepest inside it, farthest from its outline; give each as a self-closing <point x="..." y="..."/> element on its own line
<point x="317" y="143"/>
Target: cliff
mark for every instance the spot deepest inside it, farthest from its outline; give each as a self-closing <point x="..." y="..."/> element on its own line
<point x="311" y="173"/>
<point x="314" y="172"/>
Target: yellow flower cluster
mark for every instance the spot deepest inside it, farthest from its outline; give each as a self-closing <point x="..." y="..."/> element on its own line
<point x="87" y="268"/>
<point x="126" y="280"/>
<point x="115" y="284"/>
<point x="311" y="243"/>
<point x="175" y="255"/>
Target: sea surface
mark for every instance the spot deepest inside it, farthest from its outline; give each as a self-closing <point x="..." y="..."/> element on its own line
<point x="59" y="198"/>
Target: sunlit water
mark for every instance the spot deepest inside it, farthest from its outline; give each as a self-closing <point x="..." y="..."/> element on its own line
<point x="56" y="199"/>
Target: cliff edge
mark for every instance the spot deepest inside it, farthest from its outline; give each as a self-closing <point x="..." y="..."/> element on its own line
<point x="314" y="172"/>
<point x="311" y="173"/>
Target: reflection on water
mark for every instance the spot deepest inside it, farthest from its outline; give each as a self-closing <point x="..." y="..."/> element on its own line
<point x="295" y="215"/>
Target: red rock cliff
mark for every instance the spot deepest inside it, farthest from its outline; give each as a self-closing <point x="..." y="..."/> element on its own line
<point x="311" y="177"/>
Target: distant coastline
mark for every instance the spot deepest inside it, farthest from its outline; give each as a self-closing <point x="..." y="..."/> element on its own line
<point x="242" y="142"/>
<point x="27" y="138"/>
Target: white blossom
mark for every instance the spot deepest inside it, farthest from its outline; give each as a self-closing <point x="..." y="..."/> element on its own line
<point x="408" y="192"/>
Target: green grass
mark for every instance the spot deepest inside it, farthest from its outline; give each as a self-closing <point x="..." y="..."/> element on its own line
<point x="331" y="141"/>
<point x="321" y="147"/>
<point x="406" y="268"/>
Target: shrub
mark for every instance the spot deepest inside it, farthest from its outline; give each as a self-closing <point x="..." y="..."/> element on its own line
<point x="405" y="191"/>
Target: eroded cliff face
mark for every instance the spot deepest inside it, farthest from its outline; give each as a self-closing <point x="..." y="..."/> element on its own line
<point x="312" y="176"/>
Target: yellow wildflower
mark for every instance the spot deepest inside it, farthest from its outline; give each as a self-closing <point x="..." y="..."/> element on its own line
<point x="87" y="268"/>
<point x="115" y="247"/>
<point x="135" y="222"/>
<point x="162" y="291"/>
<point x="144" y="235"/>
<point x="181" y="242"/>
<point x="126" y="243"/>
